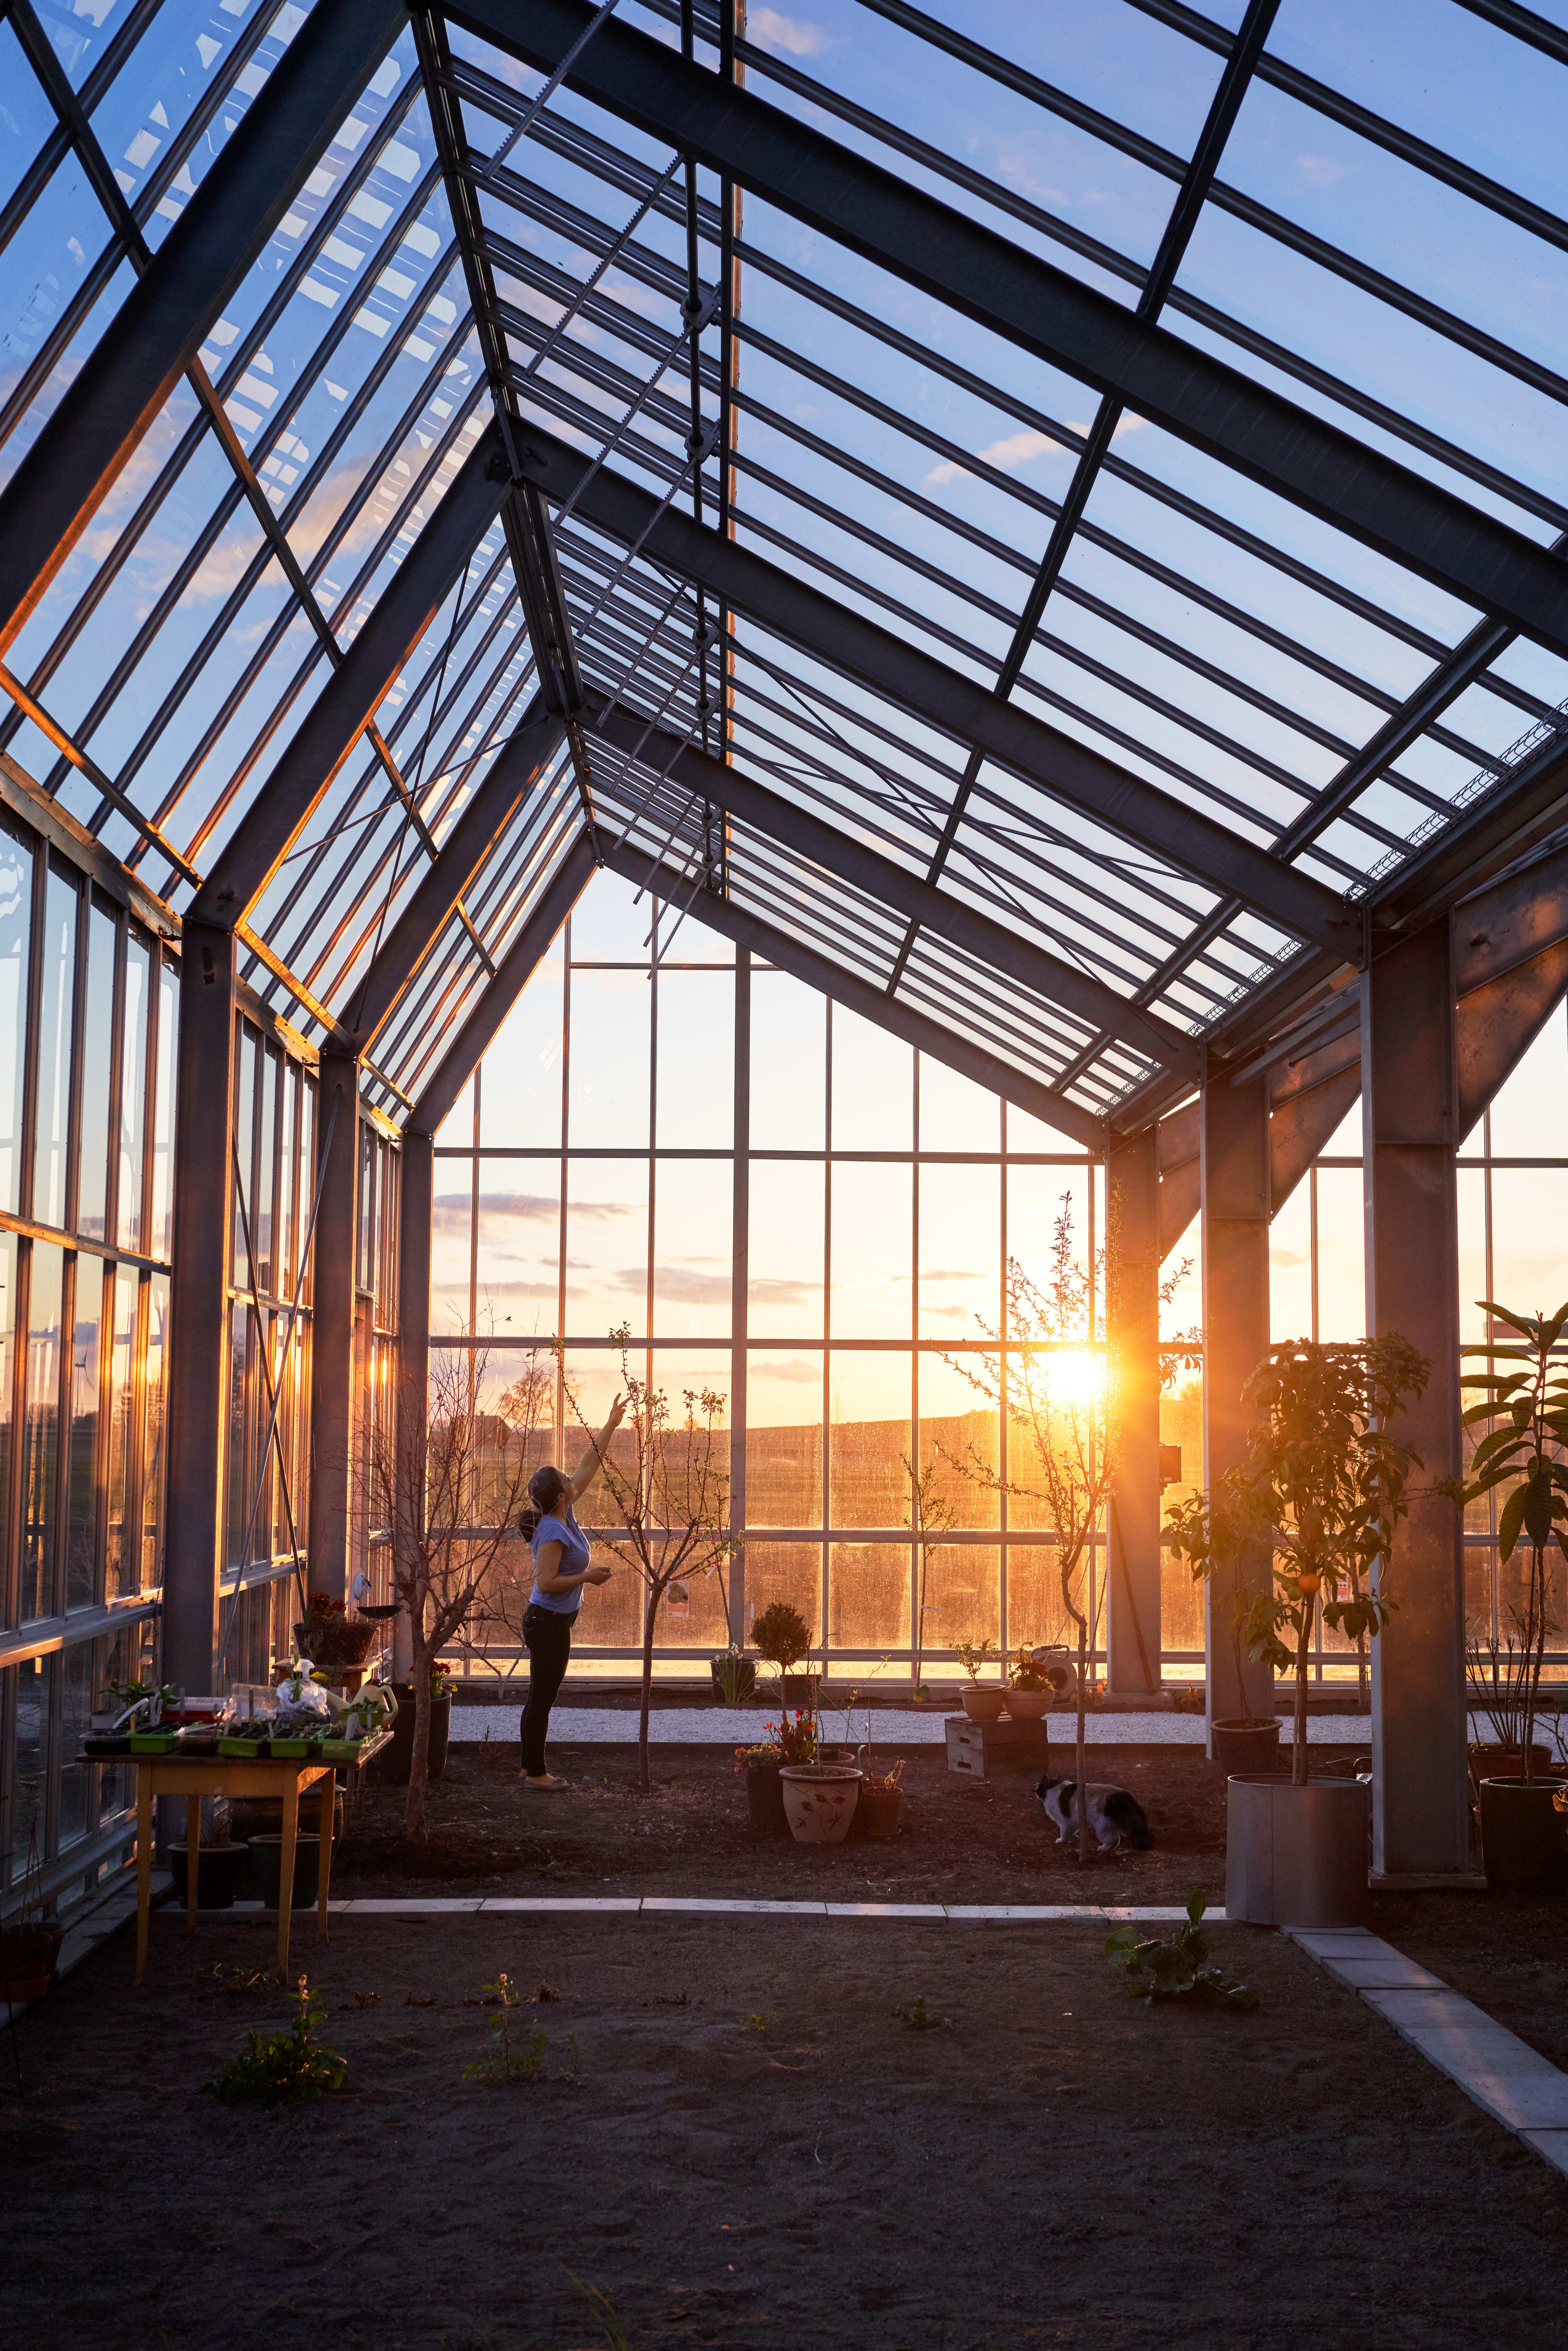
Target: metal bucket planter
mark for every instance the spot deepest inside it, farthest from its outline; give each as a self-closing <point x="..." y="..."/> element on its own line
<point x="1524" y="1837"/>
<point x="820" y="1801"/>
<point x="1296" y="1856"/>
<point x="1247" y="1746"/>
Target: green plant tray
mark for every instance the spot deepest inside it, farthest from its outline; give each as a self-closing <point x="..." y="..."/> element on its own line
<point x="245" y="1749"/>
<point x="343" y="1751"/>
<point x="153" y="1742"/>
<point x="293" y="1750"/>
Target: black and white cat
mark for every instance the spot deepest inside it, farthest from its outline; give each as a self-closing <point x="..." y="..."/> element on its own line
<point x="1116" y="1816"/>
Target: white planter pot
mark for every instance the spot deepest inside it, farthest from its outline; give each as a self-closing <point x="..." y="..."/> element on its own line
<point x="1029" y="1706"/>
<point x="983" y="1705"/>
<point x="820" y="1801"/>
<point x="1296" y="1856"/>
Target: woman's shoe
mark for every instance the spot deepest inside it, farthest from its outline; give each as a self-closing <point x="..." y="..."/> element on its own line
<point x="549" y="1782"/>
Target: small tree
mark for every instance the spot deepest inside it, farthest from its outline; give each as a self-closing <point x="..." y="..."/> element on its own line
<point x="1321" y="1489"/>
<point x="1524" y="1397"/>
<point x="1059" y="1387"/>
<point x="781" y="1636"/>
<point x="449" y="1480"/>
<point x="671" y="1497"/>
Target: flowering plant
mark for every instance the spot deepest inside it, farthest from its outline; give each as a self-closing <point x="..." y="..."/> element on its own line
<point x="322" y="1605"/>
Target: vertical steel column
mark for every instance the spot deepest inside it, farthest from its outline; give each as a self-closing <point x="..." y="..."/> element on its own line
<point x="332" y="1328"/>
<point x="1133" y="1326"/>
<point x="739" y="1289"/>
<point x="1409" y="1122"/>
<point x="416" y="1203"/>
<point x="1233" y="1123"/>
<point x="193" y="1542"/>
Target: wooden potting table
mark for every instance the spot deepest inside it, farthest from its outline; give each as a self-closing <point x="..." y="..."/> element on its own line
<point x="195" y="1776"/>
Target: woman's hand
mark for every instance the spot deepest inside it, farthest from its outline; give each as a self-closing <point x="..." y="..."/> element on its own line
<point x="617" y="1414"/>
<point x="598" y="1574"/>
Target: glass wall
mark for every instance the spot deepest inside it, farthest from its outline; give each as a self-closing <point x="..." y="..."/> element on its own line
<point x="89" y="1014"/>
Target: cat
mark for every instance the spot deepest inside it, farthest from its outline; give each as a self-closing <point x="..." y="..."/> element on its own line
<point x="1116" y="1816"/>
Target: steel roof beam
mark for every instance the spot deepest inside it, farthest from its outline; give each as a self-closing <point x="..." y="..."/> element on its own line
<point x="960" y="707"/>
<point x="840" y="855"/>
<point x="159" y="327"/>
<point x="522" y="761"/>
<point x="1043" y="309"/>
<point x="353" y="693"/>
<point x="517" y="968"/>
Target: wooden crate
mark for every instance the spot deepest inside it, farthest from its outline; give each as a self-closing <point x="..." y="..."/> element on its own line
<point x="983" y="1750"/>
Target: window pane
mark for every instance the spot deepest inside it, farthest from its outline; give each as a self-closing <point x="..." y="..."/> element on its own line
<point x="1530" y="1238"/>
<point x="606" y="1247"/>
<point x="29" y="1746"/>
<point x="8" y="1360"/>
<point x="1530" y="1109"/>
<point x="56" y="1000"/>
<point x="609" y="1059"/>
<point x="873" y="1087"/>
<point x="81" y="1513"/>
<point x="1342" y="1284"/>
<point x="783" y="1440"/>
<point x="451" y="1242"/>
<point x="245" y="1130"/>
<point x="40" y="1433"/>
<point x="521" y="1104"/>
<point x="1035" y="1612"/>
<point x="958" y="1454"/>
<point x="791" y="1572"/>
<point x="1291" y="1266"/>
<point x="785" y="1257"/>
<point x="789" y="1064"/>
<point x="121" y="1579"/>
<point x="153" y="1453"/>
<point x="16" y="925"/>
<point x="956" y="1114"/>
<point x="261" y="1225"/>
<point x="98" y="1049"/>
<point x="868" y="1438"/>
<point x="697" y="1061"/>
<point x="693" y="1254"/>
<point x="960" y="1250"/>
<point x="161" y="1236"/>
<point x="520" y="1248"/>
<point x="873" y="1291"/>
<point x="133" y="1092"/>
<point x="76" y="1680"/>
<point x="868" y="1597"/>
<point x="963" y="1593"/>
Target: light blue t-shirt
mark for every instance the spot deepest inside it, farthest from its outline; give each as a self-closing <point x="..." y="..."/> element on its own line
<point x="573" y="1559"/>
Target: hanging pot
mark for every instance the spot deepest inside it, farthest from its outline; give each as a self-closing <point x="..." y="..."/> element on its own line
<point x="820" y="1801"/>
<point x="27" y="1957"/>
<point x="983" y="1705"/>
<point x="1247" y="1743"/>
<point x="336" y="1643"/>
<point x="1524" y="1837"/>
<point x="765" y="1798"/>
<point x="1296" y="1856"/>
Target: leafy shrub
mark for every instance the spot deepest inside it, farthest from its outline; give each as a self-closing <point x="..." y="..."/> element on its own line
<point x="781" y="1634"/>
<point x="1173" y="1968"/>
<point x="287" y="2068"/>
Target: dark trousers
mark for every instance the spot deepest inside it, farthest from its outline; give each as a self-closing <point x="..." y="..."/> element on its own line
<point x="546" y="1636"/>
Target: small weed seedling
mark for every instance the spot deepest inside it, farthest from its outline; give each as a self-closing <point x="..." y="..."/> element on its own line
<point x="762" y="2020"/>
<point x="237" y="1979"/>
<point x="603" y="2311"/>
<point x="286" y="2068"/>
<point x="514" y="2056"/>
<point x="546" y="1992"/>
<point x="1174" y="1969"/>
<point x="920" y="2018"/>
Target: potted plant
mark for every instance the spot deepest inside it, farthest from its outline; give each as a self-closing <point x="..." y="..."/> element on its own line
<point x="788" y="1741"/>
<point x="880" y="1800"/>
<point x="820" y="1801"/>
<point x="1320" y="1492"/>
<point x="334" y="1641"/>
<point x="29" y="1944"/>
<point x="980" y="1705"/>
<point x="1030" y="1687"/>
<point x="395" y="1762"/>
<point x="1497" y="1676"/>
<point x="734" y="1676"/>
<point x="1524" y="1410"/>
<point x="783" y="1637"/>
<point x="1218" y="1540"/>
<point x="931" y="1515"/>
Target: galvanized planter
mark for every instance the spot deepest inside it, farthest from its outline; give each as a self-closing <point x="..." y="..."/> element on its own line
<point x="1296" y="1856"/>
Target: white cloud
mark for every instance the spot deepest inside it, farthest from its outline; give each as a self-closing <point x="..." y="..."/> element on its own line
<point x="792" y="34"/>
<point x="1016" y="449"/>
<point x="1321" y="170"/>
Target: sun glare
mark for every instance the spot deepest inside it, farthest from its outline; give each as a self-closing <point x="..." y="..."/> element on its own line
<point x="1076" y="1377"/>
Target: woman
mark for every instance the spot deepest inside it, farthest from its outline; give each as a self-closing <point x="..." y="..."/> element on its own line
<point x="561" y="1568"/>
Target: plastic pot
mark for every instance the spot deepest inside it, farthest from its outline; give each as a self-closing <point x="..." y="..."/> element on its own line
<point x="1488" y="1761"/>
<point x="394" y="1762"/>
<point x="254" y="1816"/>
<point x="1524" y="1837"/>
<point x="1029" y="1706"/>
<point x="218" y="1868"/>
<point x="983" y="1705"/>
<point x="28" y="1957"/>
<point x="267" y="1860"/>
<point x="1296" y="1856"/>
<point x="1247" y="1745"/>
<point x="878" y="1810"/>
<point x="820" y="1801"/>
<point x="765" y="1798"/>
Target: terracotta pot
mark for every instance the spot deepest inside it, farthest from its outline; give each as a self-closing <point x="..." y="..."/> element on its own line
<point x="877" y="1811"/>
<point x="983" y="1705"/>
<point x="765" y="1798"/>
<point x="1029" y="1706"/>
<point x="820" y="1801"/>
<point x="1243" y="1744"/>
<point x="27" y="1957"/>
<point x="1524" y="1837"/>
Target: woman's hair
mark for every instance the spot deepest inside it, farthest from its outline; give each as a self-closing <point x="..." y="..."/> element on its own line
<point x="546" y="1488"/>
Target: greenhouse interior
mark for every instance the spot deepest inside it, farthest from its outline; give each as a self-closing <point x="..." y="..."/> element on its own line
<point x="784" y="1169"/>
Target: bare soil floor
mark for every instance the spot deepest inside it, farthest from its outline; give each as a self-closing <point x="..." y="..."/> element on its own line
<point x="757" y="2154"/>
<point x="959" y="1840"/>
